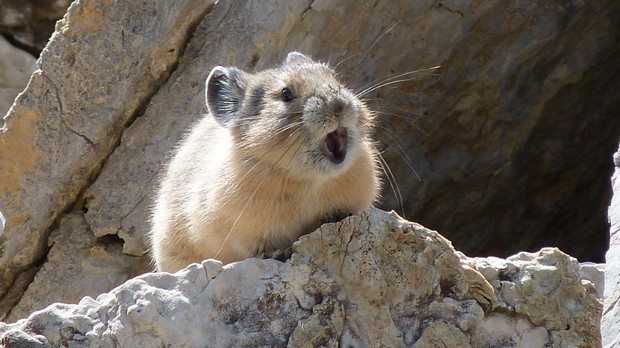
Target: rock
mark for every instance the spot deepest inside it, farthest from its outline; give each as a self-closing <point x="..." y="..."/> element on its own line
<point x="610" y="324"/>
<point x="370" y="280"/>
<point x="69" y="119"/>
<point x="16" y="66"/>
<point x="595" y="273"/>
<point x="30" y="22"/>
<point x="2" y="222"/>
<point x="505" y="155"/>
<point x="544" y="287"/>
<point x="76" y="266"/>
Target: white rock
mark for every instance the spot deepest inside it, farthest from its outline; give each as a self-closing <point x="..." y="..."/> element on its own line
<point x="610" y="324"/>
<point x="2" y="222"/>
<point x="371" y="280"/>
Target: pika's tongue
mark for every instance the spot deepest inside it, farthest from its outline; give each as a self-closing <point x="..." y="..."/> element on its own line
<point x="335" y="145"/>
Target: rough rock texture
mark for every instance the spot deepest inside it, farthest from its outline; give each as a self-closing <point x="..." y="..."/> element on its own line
<point x="511" y="137"/>
<point x="610" y="325"/>
<point x="69" y="119"/>
<point x="29" y="23"/>
<point x="369" y="281"/>
<point x="16" y="66"/>
<point x="76" y="266"/>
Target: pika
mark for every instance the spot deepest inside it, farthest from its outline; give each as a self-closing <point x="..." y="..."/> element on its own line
<point x="277" y="153"/>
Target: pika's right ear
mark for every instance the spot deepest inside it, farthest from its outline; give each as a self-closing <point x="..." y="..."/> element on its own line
<point x="224" y="93"/>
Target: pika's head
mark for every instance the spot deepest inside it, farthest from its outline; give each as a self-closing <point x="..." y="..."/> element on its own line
<point x="297" y="117"/>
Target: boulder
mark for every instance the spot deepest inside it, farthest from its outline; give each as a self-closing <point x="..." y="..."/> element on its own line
<point x="76" y="266"/>
<point x="610" y="325"/>
<point x="70" y="118"/>
<point x="368" y="281"/>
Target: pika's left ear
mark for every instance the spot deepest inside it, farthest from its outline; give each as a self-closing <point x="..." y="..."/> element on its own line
<point x="297" y="58"/>
<point x="224" y="92"/>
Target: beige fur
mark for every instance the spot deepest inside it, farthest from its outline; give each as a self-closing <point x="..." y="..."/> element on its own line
<point x="242" y="188"/>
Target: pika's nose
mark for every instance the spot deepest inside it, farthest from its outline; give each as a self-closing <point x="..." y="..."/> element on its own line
<point x="336" y="106"/>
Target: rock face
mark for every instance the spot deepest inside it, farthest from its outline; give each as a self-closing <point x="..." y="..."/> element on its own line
<point x="76" y="266"/>
<point x="16" y="66"/>
<point x="72" y="114"/>
<point x="510" y="137"/>
<point x="371" y="280"/>
<point x="29" y="23"/>
<point x="610" y="325"/>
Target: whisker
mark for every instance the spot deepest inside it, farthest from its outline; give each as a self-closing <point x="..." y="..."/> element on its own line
<point x="410" y="119"/>
<point x="288" y="126"/>
<point x="245" y="206"/>
<point x="343" y="60"/>
<point x="425" y="133"/>
<point x="365" y="54"/>
<point x="371" y="86"/>
<point x="387" y="82"/>
<point x="285" y="179"/>
<point x="402" y="152"/>
<point x="391" y="180"/>
<point x="253" y="193"/>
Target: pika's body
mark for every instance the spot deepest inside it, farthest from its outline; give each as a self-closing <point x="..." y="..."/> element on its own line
<point x="278" y="152"/>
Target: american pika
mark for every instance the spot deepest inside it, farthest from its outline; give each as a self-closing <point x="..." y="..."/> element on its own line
<point x="278" y="152"/>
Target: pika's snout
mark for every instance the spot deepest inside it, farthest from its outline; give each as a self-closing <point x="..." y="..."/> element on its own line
<point x="336" y="106"/>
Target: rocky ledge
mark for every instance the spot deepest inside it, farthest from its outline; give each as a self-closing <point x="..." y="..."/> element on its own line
<point x="368" y="281"/>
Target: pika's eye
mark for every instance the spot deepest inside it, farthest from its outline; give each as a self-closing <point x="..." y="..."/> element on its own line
<point x="287" y="94"/>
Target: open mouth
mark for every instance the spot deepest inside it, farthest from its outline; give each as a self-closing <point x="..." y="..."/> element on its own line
<point x="334" y="145"/>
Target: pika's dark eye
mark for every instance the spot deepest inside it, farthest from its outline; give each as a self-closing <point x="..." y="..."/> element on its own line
<point x="287" y="95"/>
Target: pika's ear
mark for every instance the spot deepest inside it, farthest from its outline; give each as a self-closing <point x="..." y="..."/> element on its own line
<point x="297" y="58"/>
<point x="224" y="92"/>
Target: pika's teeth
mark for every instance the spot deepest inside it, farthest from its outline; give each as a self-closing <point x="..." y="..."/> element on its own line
<point x="334" y="145"/>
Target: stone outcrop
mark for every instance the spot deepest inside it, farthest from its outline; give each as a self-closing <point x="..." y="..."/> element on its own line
<point x="16" y="66"/>
<point x="371" y="280"/>
<point x="76" y="266"/>
<point x="610" y="325"/>
<point x="73" y="112"/>
<point x="511" y="137"/>
<point x="29" y="23"/>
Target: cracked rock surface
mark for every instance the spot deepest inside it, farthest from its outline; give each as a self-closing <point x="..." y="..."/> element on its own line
<point x="370" y="280"/>
<point x="71" y="115"/>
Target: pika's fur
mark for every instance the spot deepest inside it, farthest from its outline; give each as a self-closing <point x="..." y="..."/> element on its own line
<point x="278" y="152"/>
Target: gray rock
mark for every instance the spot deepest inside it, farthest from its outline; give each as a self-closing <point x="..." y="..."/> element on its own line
<point x="371" y="280"/>
<point x="77" y="265"/>
<point x="16" y="66"/>
<point x="610" y="324"/>
<point x="530" y="284"/>
<point x="92" y="82"/>
<point x="2" y="222"/>
<point x="595" y="273"/>
<point x="31" y="22"/>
